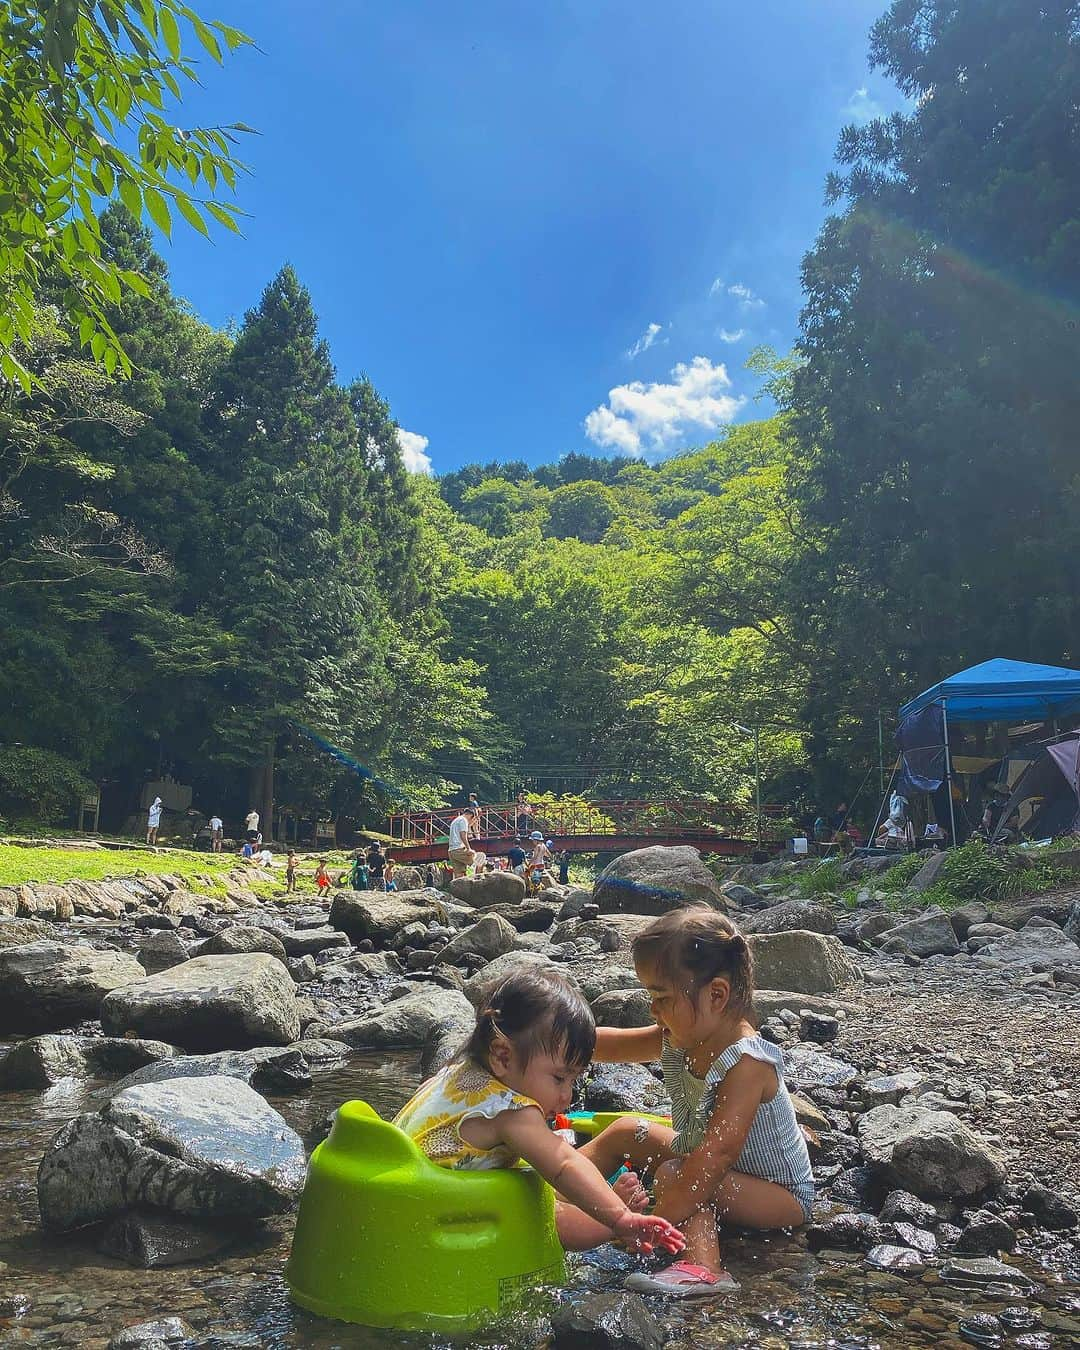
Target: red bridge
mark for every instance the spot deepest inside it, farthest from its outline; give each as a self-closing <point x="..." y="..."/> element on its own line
<point x="723" y="828"/>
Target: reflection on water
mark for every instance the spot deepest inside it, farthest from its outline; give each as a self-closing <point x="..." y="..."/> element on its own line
<point x="790" y="1298"/>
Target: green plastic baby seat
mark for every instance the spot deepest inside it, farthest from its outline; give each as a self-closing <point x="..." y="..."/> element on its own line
<point x="387" y="1238"/>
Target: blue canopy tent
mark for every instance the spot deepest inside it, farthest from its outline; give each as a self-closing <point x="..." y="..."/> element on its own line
<point x="998" y="690"/>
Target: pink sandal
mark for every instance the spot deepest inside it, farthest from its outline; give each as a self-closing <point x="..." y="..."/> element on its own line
<point x="682" y="1280"/>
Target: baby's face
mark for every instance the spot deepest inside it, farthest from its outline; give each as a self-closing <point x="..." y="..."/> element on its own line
<point x="548" y="1079"/>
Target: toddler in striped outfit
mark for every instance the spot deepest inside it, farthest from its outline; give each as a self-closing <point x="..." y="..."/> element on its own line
<point x="736" y="1154"/>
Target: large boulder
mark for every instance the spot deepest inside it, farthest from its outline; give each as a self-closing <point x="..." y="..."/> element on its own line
<point x="206" y="1147"/>
<point x="490" y="937"/>
<point x="654" y="880"/>
<point x="495" y="971"/>
<point x="623" y="1008"/>
<point x="927" y="874"/>
<point x="1039" y="948"/>
<point x="238" y="940"/>
<point x="928" y="934"/>
<point x="43" y="1060"/>
<point x="808" y="915"/>
<point x="379" y="916"/>
<point x="624" y="1087"/>
<point x="490" y="888"/>
<point x="1016" y="913"/>
<point x="209" y="1003"/>
<point x="47" y="985"/>
<point x="273" y="1069"/>
<point x="930" y="1153"/>
<point x="308" y="941"/>
<point x="805" y="963"/>
<point x="161" y="950"/>
<point x="528" y="917"/>
<point x="20" y="932"/>
<point x="433" y="1019"/>
<point x="625" y="926"/>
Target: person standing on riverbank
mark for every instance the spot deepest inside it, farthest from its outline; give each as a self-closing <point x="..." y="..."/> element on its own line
<point x="251" y="824"/>
<point x="217" y="833"/>
<point x="290" y="872"/>
<point x="153" y="821"/>
<point x="459" y="849"/>
<point x="376" y="866"/>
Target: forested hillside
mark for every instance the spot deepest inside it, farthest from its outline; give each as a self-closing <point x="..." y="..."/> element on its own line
<point x="197" y="559"/>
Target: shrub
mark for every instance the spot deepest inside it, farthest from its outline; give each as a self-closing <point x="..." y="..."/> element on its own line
<point x="39" y="783"/>
<point x="825" y="876"/>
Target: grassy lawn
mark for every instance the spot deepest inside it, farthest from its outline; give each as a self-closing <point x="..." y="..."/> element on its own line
<point x="204" y="873"/>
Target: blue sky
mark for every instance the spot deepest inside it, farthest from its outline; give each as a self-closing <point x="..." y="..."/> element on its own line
<point x="537" y="227"/>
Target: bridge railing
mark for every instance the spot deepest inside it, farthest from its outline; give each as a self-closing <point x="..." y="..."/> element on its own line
<point x="507" y="820"/>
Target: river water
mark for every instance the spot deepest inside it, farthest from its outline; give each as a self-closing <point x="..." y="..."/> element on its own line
<point x="62" y="1291"/>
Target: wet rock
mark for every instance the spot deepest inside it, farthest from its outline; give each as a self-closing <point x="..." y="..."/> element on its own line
<point x="903" y="1207"/>
<point x="490" y="888"/>
<point x="46" y="985"/>
<point x="984" y="1234"/>
<point x="157" y="921"/>
<point x="806" y="915"/>
<point x="980" y="1329"/>
<point x="574" y="901"/>
<point x="239" y="940"/>
<point x="854" y="1186"/>
<point x="302" y="969"/>
<point x="1018" y="1318"/>
<point x="320" y="1050"/>
<point x="379" y="917"/>
<point x="624" y="1087"/>
<point x="656" y="879"/>
<point x="488" y="938"/>
<point x="812" y="1068"/>
<point x="20" y="932"/>
<point x="928" y="1152"/>
<point x="857" y="1232"/>
<point x="362" y="966"/>
<point x="309" y="941"/>
<point x="979" y="1272"/>
<point x="623" y="1008"/>
<point x="606" y="1321"/>
<point x="821" y="1028"/>
<point x="150" y="1335"/>
<point x="920" y="1240"/>
<point x="410" y="1022"/>
<point x="161" y="950"/>
<point x="279" y="1071"/>
<point x="806" y="963"/>
<point x="203" y="1147"/>
<point x="897" y="1260"/>
<point x="43" y="1060"/>
<point x="1049" y="1208"/>
<point x="930" y="934"/>
<point x="154" y="1240"/>
<point x="210" y="1003"/>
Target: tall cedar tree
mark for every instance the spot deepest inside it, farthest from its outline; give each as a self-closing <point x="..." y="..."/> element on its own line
<point x="296" y="585"/>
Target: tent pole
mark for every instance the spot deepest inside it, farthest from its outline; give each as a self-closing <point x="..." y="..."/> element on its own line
<point x="871" y="842"/>
<point x="948" y="767"/>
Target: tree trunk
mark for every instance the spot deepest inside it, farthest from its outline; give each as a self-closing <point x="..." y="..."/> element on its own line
<point x="266" y="797"/>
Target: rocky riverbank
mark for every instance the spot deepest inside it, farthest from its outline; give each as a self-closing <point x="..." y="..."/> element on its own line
<point x="169" y="1062"/>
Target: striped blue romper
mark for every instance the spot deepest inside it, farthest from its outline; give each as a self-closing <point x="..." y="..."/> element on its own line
<point x="775" y="1149"/>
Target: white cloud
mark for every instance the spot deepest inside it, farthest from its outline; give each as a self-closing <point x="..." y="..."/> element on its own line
<point x="730" y="334"/>
<point x="861" y="108"/>
<point x="738" y="291"/>
<point x="646" y="340"/>
<point x="412" y="448"/>
<point x="640" y="418"/>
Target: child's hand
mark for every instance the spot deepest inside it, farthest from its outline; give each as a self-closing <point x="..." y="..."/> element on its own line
<point x="643" y="1232"/>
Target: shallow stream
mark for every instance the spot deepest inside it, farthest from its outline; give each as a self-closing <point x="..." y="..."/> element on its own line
<point x="62" y="1291"/>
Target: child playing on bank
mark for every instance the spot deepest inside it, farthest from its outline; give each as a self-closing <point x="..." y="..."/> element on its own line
<point x="736" y="1154"/>
<point x="322" y="880"/>
<point x="290" y="872"/>
<point x="490" y="1108"/>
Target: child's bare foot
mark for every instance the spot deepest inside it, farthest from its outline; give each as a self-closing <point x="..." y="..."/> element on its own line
<point x="631" y="1192"/>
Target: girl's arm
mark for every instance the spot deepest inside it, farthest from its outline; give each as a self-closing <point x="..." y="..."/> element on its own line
<point x="575" y="1178"/>
<point x="737" y="1101"/>
<point x="627" y="1045"/>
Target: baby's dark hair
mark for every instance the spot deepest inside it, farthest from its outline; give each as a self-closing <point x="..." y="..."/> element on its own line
<point x="689" y="947"/>
<point x="536" y="1010"/>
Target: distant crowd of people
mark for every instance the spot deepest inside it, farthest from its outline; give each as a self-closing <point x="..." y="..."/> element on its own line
<point x="538" y="865"/>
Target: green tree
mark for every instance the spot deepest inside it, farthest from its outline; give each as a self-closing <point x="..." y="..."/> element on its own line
<point x="83" y="86"/>
<point x="935" y="401"/>
<point x="582" y="510"/>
